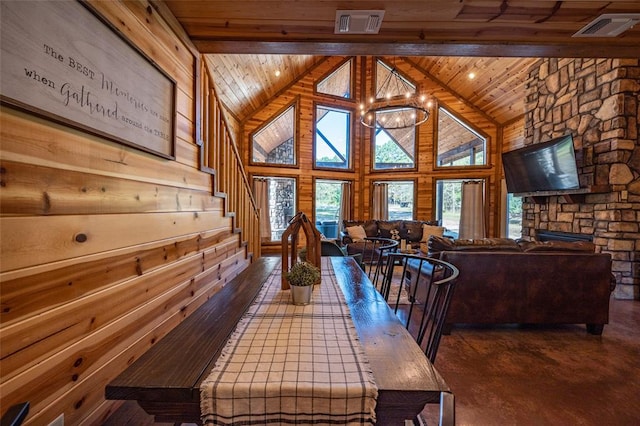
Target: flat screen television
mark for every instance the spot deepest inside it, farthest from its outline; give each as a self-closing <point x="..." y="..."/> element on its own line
<point x="545" y="166"/>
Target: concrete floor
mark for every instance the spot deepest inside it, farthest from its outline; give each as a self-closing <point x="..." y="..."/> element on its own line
<point x="552" y="375"/>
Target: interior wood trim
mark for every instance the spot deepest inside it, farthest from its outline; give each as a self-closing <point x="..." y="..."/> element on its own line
<point x="425" y="48"/>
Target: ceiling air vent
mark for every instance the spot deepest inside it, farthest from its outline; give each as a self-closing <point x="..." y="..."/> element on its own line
<point x="609" y="25"/>
<point x="358" y="21"/>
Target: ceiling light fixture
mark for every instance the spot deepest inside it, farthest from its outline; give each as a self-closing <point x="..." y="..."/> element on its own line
<point x="397" y="104"/>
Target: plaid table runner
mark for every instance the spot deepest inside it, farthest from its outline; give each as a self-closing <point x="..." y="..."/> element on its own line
<point x="287" y="364"/>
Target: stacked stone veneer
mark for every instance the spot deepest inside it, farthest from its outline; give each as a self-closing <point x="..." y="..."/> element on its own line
<point x="598" y="102"/>
<point x="280" y="206"/>
<point x="282" y="154"/>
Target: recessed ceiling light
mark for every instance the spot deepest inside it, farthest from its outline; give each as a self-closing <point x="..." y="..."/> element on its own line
<point x="277" y="73"/>
<point x="472" y="75"/>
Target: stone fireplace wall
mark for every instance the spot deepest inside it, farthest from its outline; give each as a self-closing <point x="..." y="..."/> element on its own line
<point x="598" y="102"/>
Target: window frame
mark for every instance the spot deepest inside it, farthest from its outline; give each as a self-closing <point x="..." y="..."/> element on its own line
<point x="469" y="127"/>
<point x="352" y="81"/>
<point x="373" y="133"/>
<point x="350" y="135"/>
<point x="437" y="213"/>
<point x="296" y="197"/>
<point x="295" y="104"/>
<point x="337" y="181"/>
<point x="414" y="181"/>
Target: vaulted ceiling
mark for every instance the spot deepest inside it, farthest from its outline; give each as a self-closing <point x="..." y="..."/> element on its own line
<point x="246" y="42"/>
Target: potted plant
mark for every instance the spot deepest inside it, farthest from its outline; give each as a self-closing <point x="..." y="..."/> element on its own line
<point x="302" y="254"/>
<point x="301" y="277"/>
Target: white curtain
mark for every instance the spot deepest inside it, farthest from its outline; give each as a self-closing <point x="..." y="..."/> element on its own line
<point x="345" y="205"/>
<point x="472" y="211"/>
<point x="261" y="192"/>
<point x="380" y="209"/>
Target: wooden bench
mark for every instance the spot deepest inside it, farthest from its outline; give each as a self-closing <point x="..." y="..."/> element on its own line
<point x="165" y="381"/>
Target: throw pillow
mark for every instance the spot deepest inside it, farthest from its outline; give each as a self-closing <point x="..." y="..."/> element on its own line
<point x="356" y="233"/>
<point x="411" y="231"/>
<point x="386" y="226"/>
<point x="429" y="230"/>
<point x="395" y="234"/>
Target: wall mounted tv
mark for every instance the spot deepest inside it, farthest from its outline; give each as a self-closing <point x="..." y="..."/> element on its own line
<point x="545" y="166"/>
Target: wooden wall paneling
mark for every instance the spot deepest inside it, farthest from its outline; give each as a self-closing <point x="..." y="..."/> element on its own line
<point x="187" y="152"/>
<point x="215" y="255"/>
<point x="27" y="293"/>
<point x="36" y="190"/>
<point x="34" y="240"/>
<point x="36" y="141"/>
<point x="81" y="357"/>
<point x="513" y="135"/>
<point x="140" y="24"/>
<point x="90" y="391"/>
<point x="34" y="337"/>
<point x="104" y="248"/>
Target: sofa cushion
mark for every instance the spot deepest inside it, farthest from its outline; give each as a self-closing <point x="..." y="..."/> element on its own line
<point x="411" y="230"/>
<point x="390" y="229"/>
<point x="438" y="244"/>
<point x="356" y="233"/>
<point x="429" y="230"/>
<point x="557" y="246"/>
<point x="370" y="226"/>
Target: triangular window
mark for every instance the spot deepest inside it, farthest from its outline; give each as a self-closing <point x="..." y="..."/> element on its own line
<point x="274" y="143"/>
<point x="338" y="83"/>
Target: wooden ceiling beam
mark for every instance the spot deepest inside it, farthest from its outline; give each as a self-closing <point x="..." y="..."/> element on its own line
<point x="492" y="49"/>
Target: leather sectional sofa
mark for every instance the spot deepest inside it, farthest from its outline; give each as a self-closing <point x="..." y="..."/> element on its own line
<point x="409" y="230"/>
<point x="505" y="281"/>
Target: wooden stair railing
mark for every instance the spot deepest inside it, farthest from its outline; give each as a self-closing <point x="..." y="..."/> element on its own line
<point x="219" y="156"/>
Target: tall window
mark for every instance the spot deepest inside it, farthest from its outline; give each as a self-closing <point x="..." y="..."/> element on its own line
<point x="332" y="137"/>
<point x="400" y="199"/>
<point x="458" y="144"/>
<point x="514" y="216"/>
<point x="274" y="143"/>
<point x="393" y="148"/>
<point x="280" y="202"/>
<point x="328" y="200"/>
<point x="449" y="203"/>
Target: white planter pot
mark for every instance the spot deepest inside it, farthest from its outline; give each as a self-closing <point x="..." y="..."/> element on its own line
<point x="301" y="295"/>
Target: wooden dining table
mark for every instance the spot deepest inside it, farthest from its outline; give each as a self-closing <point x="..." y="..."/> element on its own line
<point x="166" y="380"/>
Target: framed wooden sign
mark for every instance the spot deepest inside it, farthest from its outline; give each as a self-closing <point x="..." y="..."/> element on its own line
<point x="62" y="61"/>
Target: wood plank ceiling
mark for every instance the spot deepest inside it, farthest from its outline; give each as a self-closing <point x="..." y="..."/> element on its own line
<point x="247" y="42"/>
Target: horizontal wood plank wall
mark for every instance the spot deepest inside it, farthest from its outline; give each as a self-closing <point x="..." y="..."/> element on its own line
<point x="424" y="175"/>
<point x="104" y="248"/>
